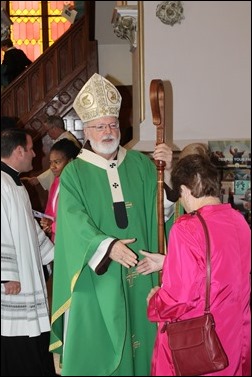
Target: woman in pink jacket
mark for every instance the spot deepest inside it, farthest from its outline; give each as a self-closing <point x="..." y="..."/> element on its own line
<point x="182" y="293"/>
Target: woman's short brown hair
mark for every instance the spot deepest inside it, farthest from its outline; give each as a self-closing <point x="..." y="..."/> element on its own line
<point x="198" y="174"/>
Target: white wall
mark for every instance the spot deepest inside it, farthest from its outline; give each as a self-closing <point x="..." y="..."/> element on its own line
<point x="115" y="63"/>
<point x="207" y="59"/>
<point x="115" y="60"/>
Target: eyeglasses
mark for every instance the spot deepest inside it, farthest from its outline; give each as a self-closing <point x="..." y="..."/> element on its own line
<point x="102" y="127"/>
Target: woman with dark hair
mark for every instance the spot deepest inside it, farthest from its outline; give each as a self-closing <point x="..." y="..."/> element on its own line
<point x="182" y="293"/>
<point x="154" y="261"/>
<point x="61" y="153"/>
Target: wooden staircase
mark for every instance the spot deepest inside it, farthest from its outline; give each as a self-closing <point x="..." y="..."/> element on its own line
<point x="50" y="85"/>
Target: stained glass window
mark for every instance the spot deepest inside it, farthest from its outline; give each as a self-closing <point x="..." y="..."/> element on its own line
<point x="37" y="25"/>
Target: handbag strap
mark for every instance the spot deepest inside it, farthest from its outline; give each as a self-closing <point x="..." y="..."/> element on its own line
<point x="208" y="261"/>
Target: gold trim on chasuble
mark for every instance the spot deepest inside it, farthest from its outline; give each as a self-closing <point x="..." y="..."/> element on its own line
<point x="62" y="310"/>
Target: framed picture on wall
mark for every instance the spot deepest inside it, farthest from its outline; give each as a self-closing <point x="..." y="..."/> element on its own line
<point x="231" y="153"/>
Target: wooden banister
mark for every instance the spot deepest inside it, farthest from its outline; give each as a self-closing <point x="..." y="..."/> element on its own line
<point x="50" y="85"/>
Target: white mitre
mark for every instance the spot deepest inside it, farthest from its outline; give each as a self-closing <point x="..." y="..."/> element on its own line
<point x="97" y="98"/>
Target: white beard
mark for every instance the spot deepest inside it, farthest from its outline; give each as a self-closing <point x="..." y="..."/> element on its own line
<point x="103" y="148"/>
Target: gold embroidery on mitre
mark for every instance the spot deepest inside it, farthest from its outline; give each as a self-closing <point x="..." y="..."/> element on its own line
<point x="97" y="98"/>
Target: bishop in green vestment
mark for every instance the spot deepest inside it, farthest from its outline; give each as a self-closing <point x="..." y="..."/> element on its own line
<point x="107" y="212"/>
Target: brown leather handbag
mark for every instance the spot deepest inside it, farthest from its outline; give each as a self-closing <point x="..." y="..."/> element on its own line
<point x="195" y="346"/>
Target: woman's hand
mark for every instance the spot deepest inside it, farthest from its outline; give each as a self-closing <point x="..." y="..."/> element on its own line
<point x="152" y="292"/>
<point x="151" y="263"/>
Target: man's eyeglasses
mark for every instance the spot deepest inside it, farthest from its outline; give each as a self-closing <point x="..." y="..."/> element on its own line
<point x="102" y="127"/>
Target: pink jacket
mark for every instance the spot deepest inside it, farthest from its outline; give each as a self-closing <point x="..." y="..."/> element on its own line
<point x="52" y="203"/>
<point x="182" y="294"/>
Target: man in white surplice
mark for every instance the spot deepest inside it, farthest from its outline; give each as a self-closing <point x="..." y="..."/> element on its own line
<point x="25" y="322"/>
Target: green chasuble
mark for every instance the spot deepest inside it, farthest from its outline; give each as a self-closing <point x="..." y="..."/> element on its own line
<point x="107" y="332"/>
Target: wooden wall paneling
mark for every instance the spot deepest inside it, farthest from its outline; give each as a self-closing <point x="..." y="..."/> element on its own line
<point x="79" y="50"/>
<point x="37" y="86"/>
<point x="64" y="60"/>
<point x="50" y="72"/>
<point x="7" y="105"/>
<point x="21" y="103"/>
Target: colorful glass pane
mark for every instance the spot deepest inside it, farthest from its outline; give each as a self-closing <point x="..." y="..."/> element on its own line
<point x="28" y="25"/>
